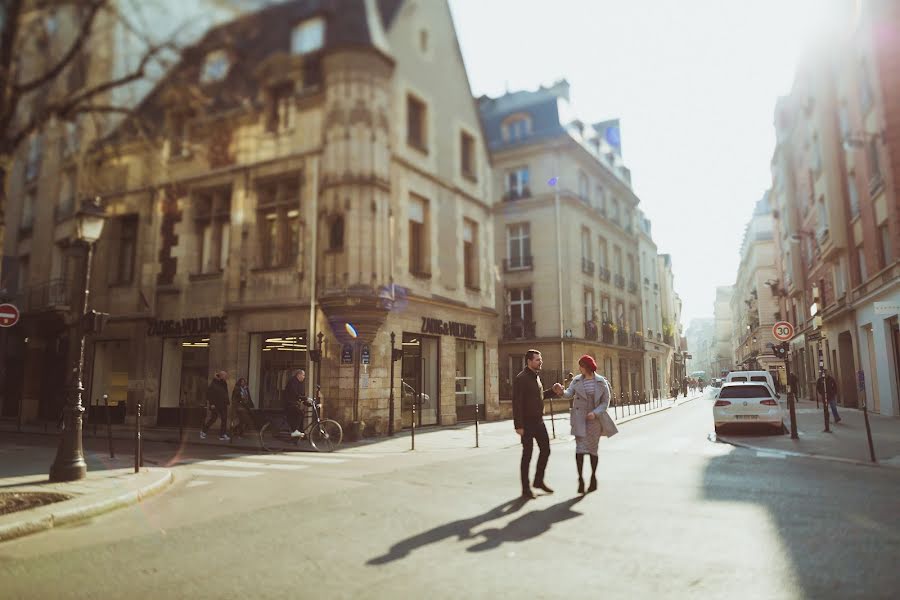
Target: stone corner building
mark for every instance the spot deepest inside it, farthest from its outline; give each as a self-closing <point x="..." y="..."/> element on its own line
<point x="311" y="167"/>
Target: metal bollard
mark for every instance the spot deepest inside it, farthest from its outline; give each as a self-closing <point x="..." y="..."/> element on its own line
<point x="112" y="452"/>
<point x="615" y="408"/>
<point x="476" y="425"/>
<point x="138" y="458"/>
<point x="413" y="436"/>
<point x="552" y="418"/>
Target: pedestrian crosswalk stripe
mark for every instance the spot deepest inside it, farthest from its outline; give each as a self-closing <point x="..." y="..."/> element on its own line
<point x="198" y="483"/>
<point x="223" y="473"/>
<point x="289" y="458"/>
<point x="239" y="464"/>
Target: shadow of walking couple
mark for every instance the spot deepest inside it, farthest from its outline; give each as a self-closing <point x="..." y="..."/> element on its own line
<point x="527" y="526"/>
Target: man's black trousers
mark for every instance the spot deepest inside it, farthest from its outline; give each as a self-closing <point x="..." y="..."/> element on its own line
<point x="534" y="432"/>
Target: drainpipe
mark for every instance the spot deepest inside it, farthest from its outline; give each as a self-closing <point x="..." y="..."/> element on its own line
<point x="562" y="331"/>
<point x="313" y="261"/>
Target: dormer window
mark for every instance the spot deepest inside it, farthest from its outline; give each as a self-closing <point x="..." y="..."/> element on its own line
<point x="308" y="36"/>
<point x="215" y="68"/>
<point x="516" y="128"/>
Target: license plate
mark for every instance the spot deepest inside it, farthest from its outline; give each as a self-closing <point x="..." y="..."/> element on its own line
<point x="746" y="417"/>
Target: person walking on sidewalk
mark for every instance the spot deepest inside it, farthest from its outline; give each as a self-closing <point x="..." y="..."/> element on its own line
<point x="217" y="402"/>
<point x="293" y="396"/>
<point x="241" y="404"/>
<point x="826" y="385"/>
<point x="589" y="416"/>
<point x="528" y="419"/>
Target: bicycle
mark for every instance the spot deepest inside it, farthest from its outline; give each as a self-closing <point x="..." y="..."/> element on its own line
<point x="325" y="435"/>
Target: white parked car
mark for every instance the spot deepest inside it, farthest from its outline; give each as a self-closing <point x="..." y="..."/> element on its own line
<point x="748" y="402"/>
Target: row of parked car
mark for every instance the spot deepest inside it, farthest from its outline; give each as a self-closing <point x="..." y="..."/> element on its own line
<point x="747" y="398"/>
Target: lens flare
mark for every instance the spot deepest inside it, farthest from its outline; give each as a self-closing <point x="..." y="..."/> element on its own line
<point x="351" y="330"/>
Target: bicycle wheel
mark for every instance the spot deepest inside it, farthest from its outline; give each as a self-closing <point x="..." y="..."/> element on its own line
<point x="268" y="438"/>
<point x="326" y="435"/>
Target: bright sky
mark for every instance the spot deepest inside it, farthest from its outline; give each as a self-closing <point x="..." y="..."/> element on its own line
<point x="695" y="84"/>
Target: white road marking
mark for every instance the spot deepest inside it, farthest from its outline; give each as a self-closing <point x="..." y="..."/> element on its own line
<point x="218" y="473"/>
<point x="288" y="458"/>
<point x="198" y="483"/>
<point x="239" y="464"/>
<point x="770" y="455"/>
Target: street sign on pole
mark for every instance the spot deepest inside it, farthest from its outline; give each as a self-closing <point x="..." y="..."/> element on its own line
<point x="783" y="331"/>
<point x="9" y="315"/>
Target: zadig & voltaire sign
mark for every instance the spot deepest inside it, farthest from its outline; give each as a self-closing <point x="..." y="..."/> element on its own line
<point x="192" y="326"/>
<point x="436" y="326"/>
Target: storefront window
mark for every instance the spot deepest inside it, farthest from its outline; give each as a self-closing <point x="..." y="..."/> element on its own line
<point x="273" y="359"/>
<point x="183" y="382"/>
<point x="420" y="375"/>
<point x="469" y="379"/>
<point x="110" y="375"/>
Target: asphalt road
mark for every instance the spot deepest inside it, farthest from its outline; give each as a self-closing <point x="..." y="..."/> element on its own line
<point x="676" y="516"/>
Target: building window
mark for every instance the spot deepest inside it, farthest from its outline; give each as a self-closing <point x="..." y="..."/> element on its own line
<point x="602" y="259"/>
<point x="861" y="259"/>
<point x="470" y="254"/>
<point x="604" y="309"/>
<point x="518" y="244"/>
<point x="584" y="190"/>
<point x="65" y="206"/>
<point x="70" y="141"/>
<point x="33" y="161"/>
<point x="589" y="305"/>
<point x="874" y="164"/>
<point x="278" y="222"/>
<point x="517" y="181"/>
<point x="215" y="67"/>
<point x="853" y="194"/>
<point x="632" y="275"/>
<point x="178" y="135"/>
<point x="520" y="305"/>
<point x="24" y="273"/>
<point x="336" y="234"/>
<point x="516" y="128"/>
<point x="419" y="257"/>
<point x="27" y="221"/>
<point x="212" y="218"/>
<point x="127" y="250"/>
<point x="416" y="130"/>
<point x="633" y="319"/>
<point x="617" y="258"/>
<point x="280" y="110"/>
<point x="620" y="315"/>
<point x="865" y="87"/>
<point x="274" y="357"/>
<point x="615" y="216"/>
<point x="884" y="247"/>
<point x="601" y="199"/>
<point x="308" y="36"/>
<point x="467" y="155"/>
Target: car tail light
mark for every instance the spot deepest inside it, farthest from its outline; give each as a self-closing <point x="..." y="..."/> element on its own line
<point x="723" y="403"/>
<point x="769" y="403"/>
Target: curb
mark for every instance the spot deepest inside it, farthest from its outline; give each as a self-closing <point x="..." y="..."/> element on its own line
<point x="82" y="508"/>
<point x="792" y="453"/>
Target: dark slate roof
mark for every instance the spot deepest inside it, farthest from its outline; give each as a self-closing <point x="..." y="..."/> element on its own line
<point x="251" y="39"/>
<point x="543" y="110"/>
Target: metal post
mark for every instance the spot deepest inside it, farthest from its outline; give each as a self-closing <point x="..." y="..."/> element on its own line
<point x="412" y="438"/>
<point x="476" y="425"/>
<point x="112" y="453"/>
<point x="69" y="463"/>
<point x="791" y="394"/>
<point x="391" y="395"/>
<point x="137" y="440"/>
<point x="868" y="431"/>
<point x="612" y="400"/>
<point x="824" y="390"/>
<point x="552" y="418"/>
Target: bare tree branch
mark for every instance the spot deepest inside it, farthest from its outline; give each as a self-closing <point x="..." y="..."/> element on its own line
<point x="77" y="45"/>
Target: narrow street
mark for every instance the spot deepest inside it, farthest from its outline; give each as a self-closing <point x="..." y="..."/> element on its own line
<point x="676" y="514"/>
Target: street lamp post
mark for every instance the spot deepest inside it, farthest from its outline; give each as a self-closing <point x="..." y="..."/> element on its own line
<point x="69" y="464"/>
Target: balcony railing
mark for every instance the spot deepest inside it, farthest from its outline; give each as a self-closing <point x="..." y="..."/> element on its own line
<point x="591" y="331"/>
<point x="587" y="266"/>
<point x="637" y="341"/>
<point x="632" y="287"/>
<point x="622" y="338"/>
<point x="655" y="286"/>
<point x="518" y="330"/>
<point x="668" y="339"/>
<point x="620" y="282"/>
<point x="521" y="263"/>
<point x="55" y="294"/>
<point x="604" y="274"/>
<point x="513" y="195"/>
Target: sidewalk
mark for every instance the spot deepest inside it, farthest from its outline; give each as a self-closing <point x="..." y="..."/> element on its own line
<point x="846" y="443"/>
<point x="110" y="484"/>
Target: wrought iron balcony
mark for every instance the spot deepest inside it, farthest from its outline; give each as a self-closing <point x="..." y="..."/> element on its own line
<point x="622" y="338"/>
<point x="518" y="330"/>
<point x="587" y="266"/>
<point x="604" y="274"/>
<point x="632" y="287"/>
<point x="53" y="295"/>
<point x="521" y="263"/>
<point x="620" y="282"/>
<point x="591" y="330"/>
<point x="513" y="195"/>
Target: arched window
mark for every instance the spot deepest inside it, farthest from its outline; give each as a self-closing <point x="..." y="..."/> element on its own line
<point x="336" y="233"/>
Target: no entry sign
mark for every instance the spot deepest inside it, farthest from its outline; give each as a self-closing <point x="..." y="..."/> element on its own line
<point x="9" y="315"/>
<point x="783" y="331"/>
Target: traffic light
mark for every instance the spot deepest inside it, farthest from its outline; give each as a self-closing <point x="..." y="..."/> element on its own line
<point x="780" y="350"/>
<point x="95" y="322"/>
<point x="315" y="356"/>
<point x="396" y="354"/>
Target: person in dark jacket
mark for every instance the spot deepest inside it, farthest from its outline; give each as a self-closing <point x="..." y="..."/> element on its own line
<point x="827" y="386"/>
<point x="217" y="402"/>
<point x="241" y="404"/>
<point x="528" y="420"/>
<point x="293" y="396"/>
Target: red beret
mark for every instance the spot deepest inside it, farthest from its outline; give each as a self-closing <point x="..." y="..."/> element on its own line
<point x="588" y="362"/>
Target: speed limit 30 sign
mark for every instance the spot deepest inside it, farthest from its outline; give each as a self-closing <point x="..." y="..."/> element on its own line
<point x="783" y="331"/>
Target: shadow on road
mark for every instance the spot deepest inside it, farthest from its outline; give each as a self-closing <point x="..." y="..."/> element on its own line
<point x="528" y="526"/>
<point x="461" y="529"/>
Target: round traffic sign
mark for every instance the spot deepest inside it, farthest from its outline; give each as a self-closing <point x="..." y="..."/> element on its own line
<point x="783" y="331"/>
<point x="9" y="315"/>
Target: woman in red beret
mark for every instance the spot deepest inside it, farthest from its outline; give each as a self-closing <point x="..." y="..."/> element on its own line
<point x="589" y="416"/>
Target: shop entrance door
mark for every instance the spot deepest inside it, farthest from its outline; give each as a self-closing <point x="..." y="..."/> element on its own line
<point x="419" y="378"/>
<point x="183" y="382"/>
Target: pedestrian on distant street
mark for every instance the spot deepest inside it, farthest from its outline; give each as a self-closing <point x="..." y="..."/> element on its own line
<point x="684" y="386"/>
<point x="826" y="385"/>
<point x="528" y="420"/>
<point x="217" y="403"/>
<point x="589" y="416"/>
<point x="241" y="404"/>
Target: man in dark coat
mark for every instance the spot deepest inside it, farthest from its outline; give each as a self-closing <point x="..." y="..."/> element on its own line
<point x="827" y="386"/>
<point x="217" y="402"/>
<point x="528" y="420"/>
<point x="293" y="397"/>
